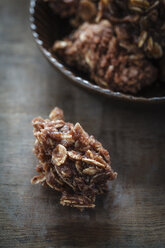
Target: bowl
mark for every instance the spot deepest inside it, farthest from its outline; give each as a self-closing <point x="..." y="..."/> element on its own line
<point x="46" y="28"/>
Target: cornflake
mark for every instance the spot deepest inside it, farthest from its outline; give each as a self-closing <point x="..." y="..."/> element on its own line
<point x="119" y="44"/>
<point x="79" y="169"/>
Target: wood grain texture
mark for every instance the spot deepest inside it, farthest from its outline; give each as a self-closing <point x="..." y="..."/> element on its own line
<point x="132" y="214"/>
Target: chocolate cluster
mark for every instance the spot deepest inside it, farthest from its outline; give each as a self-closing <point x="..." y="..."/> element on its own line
<point x="70" y="161"/>
<point x="119" y="44"/>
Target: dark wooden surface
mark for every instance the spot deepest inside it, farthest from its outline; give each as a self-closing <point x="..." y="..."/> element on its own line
<point x="132" y="214"/>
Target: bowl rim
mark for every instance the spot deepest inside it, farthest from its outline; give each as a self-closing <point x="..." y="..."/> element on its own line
<point x="79" y="80"/>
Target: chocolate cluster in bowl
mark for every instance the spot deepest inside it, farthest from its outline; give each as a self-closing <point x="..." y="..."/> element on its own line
<point x="119" y="44"/>
<point x="70" y="161"/>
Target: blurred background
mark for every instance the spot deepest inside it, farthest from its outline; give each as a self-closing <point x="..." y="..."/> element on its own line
<point x="132" y="213"/>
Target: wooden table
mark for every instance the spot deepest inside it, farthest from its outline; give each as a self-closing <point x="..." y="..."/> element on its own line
<point x="132" y="214"/>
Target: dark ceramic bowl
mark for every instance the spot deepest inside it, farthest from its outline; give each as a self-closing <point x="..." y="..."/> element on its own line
<point x="46" y="28"/>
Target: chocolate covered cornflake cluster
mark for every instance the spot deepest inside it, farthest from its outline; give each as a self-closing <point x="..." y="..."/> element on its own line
<point x="119" y="44"/>
<point x="94" y="49"/>
<point x="70" y="161"/>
